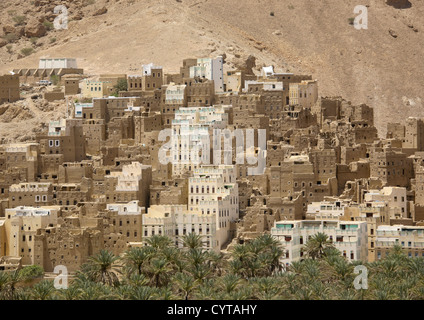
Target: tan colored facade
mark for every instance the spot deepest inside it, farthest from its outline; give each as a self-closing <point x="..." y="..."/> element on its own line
<point x="9" y="88"/>
<point x="71" y="86"/>
<point x="54" y="95"/>
<point x="96" y="89"/>
<point x="31" y="194"/>
<point x="101" y="165"/>
<point x="21" y="226"/>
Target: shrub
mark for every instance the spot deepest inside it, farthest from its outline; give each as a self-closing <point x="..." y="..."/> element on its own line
<point x="31" y="272"/>
<point x="27" y="51"/>
<point x="52" y="40"/>
<point x="34" y="40"/>
<point x="351" y="21"/>
<point x="11" y="37"/>
<point x="122" y="85"/>
<point x="49" y="25"/>
<point x="272" y="13"/>
<point x="89" y="2"/>
<point x="9" y="48"/>
<point x="55" y="79"/>
<point x="19" y="20"/>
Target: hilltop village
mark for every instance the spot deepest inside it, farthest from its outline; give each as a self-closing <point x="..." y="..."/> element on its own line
<point x="96" y="179"/>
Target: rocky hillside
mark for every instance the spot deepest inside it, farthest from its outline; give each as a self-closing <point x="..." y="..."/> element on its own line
<point x="381" y="66"/>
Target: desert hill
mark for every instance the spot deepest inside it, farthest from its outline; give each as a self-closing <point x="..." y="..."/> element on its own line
<point x="381" y="66"/>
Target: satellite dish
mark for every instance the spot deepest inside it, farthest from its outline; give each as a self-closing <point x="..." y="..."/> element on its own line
<point x="12" y="73"/>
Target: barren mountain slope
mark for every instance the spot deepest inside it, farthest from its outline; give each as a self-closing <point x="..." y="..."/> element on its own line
<point x="381" y="66"/>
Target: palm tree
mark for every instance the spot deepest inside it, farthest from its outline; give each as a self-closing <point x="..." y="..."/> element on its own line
<point x="4" y="280"/>
<point x="103" y="267"/>
<point x="244" y="293"/>
<point x="311" y="270"/>
<point x="265" y="288"/>
<point x="143" y="293"/>
<point x="241" y="252"/>
<point x="135" y="258"/>
<point x="172" y="254"/>
<point x="89" y="291"/>
<point x="185" y="284"/>
<point x="197" y="256"/>
<point x="192" y="241"/>
<point x="200" y="271"/>
<point x="165" y="293"/>
<point x="42" y="290"/>
<point x="236" y="267"/>
<point x="72" y="293"/>
<point x="317" y="244"/>
<point x="159" y="269"/>
<point x="208" y="291"/>
<point x="229" y="282"/>
<point x="159" y="242"/>
<point x="253" y="267"/>
<point x="137" y="280"/>
<point x="343" y="271"/>
<point x="216" y="262"/>
<point x="14" y="277"/>
<point x="296" y="267"/>
<point x="275" y="254"/>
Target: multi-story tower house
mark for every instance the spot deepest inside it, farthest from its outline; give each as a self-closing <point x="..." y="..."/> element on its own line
<point x="22" y="224"/>
<point x="211" y="69"/>
<point x="350" y="238"/>
<point x="214" y="190"/>
<point x="31" y="194"/>
<point x="9" y="88"/>
<point x="64" y="142"/>
<point x="192" y="133"/>
<point x="174" y="98"/>
<point x="22" y="157"/>
<point x="175" y="221"/>
<point x="126" y="219"/>
<point x="133" y="183"/>
<point x="150" y="79"/>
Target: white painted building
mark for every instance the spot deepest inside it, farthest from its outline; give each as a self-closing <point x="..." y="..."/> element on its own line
<point x="304" y="93"/>
<point x="326" y="210"/>
<point x="212" y="69"/>
<point x="175" y="221"/>
<point x="79" y="108"/>
<point x="395" y="197"/>
<point x="410" y="238"/>
<point x="130" y="208"/>
<point x="214" y="190"/>
<point x="130" y="177"/>
<point x="349" y="237"/>
<point x="58" y="63"/>
<point x="192" y="134"/>
<point x="147" y="69"/>
<point x="267" y="72"/>
<point x="175" y="94"/>
<point x="267" y="85"/>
